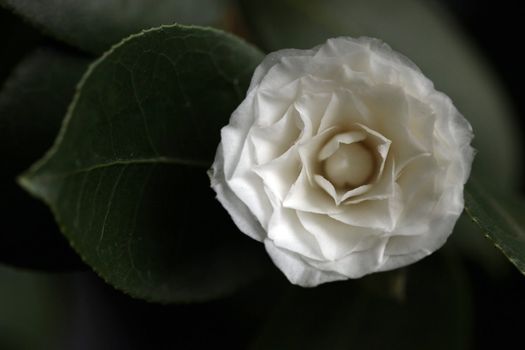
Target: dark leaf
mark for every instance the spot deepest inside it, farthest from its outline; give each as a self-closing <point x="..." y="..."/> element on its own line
<point x="500" y="217"/>
<point x="126" y="178"/>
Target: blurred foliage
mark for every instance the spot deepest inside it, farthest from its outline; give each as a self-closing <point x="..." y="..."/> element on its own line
<point x="33" y="101"/>
<point x="95" y="25"/>
<point x="17" y="40"/>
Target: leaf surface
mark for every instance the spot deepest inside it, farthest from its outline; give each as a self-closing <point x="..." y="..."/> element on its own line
<point x="501" y="218"/>
<point x="126" y="178"/>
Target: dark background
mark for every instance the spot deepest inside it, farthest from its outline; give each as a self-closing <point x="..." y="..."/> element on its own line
<point x="106" y="319"/>
<point x="497" y="29"/>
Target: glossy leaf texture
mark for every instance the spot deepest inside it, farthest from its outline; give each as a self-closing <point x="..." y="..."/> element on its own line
<point x="126" y="178"/>
<point x="33" y="102"/>
<point x="433" y="312"/>
<point x="95" y="25"/>
<point x="425" y="33"/>
<point x="500" y="217"/>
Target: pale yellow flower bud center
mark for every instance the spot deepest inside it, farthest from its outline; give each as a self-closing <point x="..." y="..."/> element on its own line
<point x="350" y="166"/>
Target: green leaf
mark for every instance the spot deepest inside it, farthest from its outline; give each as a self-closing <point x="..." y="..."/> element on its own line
<point x="33" y="102"/>
<point x="435" y="313"/>
<point x="426" y="34"/>
<point x="95" y="25"/>
<point x="500" y="217"/>
<point x="126" y="178"/>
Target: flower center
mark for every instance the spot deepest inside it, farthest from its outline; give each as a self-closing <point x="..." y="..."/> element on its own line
<point x="350" y="166"/>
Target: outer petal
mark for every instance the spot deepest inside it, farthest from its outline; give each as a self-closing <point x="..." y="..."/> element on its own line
<point x="358" y="263"/>
<point x="379" y="62"/>
<point x="404" y="250"/>
<point x="273" y="59"/>
<point x="334" y="238"/>
<point x="288" y="232"/>
<point x="280" y="174"/>
<point x="239" y="212"/>
<point x="297" y="270"/>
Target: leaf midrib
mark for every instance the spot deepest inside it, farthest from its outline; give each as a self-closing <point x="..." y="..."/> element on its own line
<point x="154" y="160"/>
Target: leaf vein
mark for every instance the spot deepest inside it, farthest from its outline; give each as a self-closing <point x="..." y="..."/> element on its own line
<point x="110" y="203"/>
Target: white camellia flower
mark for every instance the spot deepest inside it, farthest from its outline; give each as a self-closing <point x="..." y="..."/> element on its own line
<point x="344" y="160"/>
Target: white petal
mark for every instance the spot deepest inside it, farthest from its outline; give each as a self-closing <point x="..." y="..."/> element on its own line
<point x="383" y="188"/>
<point x="341" y="196"/>
<point x="307" y="196"/>
<point x="381" y="214"/>
<point x="311" y="108"/>
<point x="454" y="134"/>
<point x="420" y="194"/>
<point x="333" y="145"/>
<point x="273" y="59"/>
<point x="421" y="123"/>
<point x="309" y="151"/>
<point x="280" y="174"/>
<point x="286" y="70"/>
<point x="248" y="186"/>
<point x="346" y="47"/>
<point x="336" y="239"/>
<point x="344" y="111"/>
<point x="233" y="136"/>
<point x="272" y="141"/>
<point x="297" y="269"/>
<point x="310" y="84"/>
<point x="404" y="250"/>
<point x="239" y="212"/>
<point x="271" y="106"/>
<point x="379" y="143"/>
<point x="287" y="232"/>
<point x="359" y="263"/>
<point x="268" y="175"/>
<point x="407" y="74"/>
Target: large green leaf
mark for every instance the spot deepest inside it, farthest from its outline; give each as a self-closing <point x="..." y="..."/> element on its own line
<point x="33" y="102"/>
<point x="95" y="25"/>
<point x="126" y="178"/>
<point x="427" y="35"/>
<point x="501" y="217"/>
<point x="433" y="313"/>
